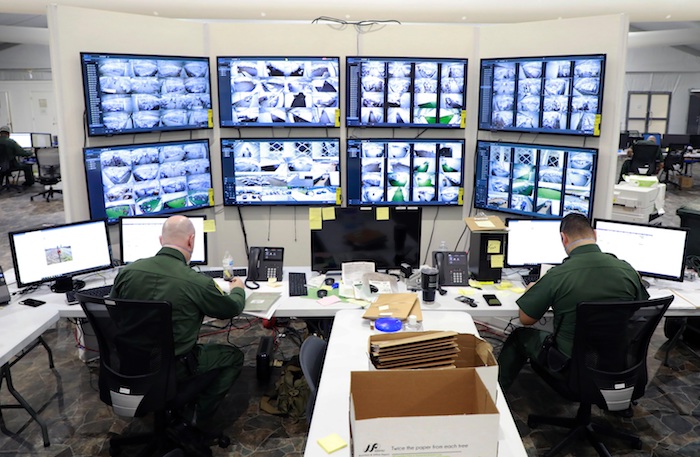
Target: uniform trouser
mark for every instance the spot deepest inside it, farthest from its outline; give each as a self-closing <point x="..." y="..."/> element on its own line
<point x="522" y="344"/>
<point x="229" y="360"/>
<point x="28" y="171"/>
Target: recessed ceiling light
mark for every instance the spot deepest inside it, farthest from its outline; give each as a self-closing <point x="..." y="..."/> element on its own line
<point x="347" y="16"/>
<point x="668" y="16"/>
<point x="155" y="13"/>
<point x="464" y="18"/>
<point x="263" y="14"/>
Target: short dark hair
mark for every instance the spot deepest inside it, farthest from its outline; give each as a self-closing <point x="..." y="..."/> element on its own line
<point x="576" y="225"/>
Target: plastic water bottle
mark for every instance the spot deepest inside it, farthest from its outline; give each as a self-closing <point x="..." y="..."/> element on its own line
<point x="443" y="246"/>
<point x="412" y="324"/>
<point x="227" y="264"/>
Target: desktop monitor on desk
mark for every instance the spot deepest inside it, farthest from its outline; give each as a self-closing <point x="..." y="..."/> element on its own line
<point x="671" y="139"/>
<point x="139" y="237"/>
<point x="654" y="251"/>
<point x="532" y="242"/>
<point x="41" y="140"/>
<point x="23" y="139"/>
<point x="56" y="254"/>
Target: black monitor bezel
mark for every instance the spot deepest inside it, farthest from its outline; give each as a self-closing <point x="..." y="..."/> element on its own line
<point x="285" y="203"/>
<point x="680" y="276"/>
<point x="143" y="145"/>
<point x="540" y="130"/>
<point x="461" y="141"/>
<point x="15" y="264"/>
<point x="133" y="131"/>
<point x="335" y="124"/>
<point x="162" y="216"/>
<point x="531" y="145"/>
<point x="439" y="60"/>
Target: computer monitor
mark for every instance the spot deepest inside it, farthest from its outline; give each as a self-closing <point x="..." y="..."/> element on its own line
<point x="23" y="139"/>
<point x="656" y="136"/>
<point x="56" y="254"/>
<point x="359" y="235"/>
<point x="674" y="139"/>
<point x="41" y="140"/>
<point x="139" y="237"/>
<point x="654" y="251"/>
<point x="532" y="242"/>
<point x="695" y="141"/>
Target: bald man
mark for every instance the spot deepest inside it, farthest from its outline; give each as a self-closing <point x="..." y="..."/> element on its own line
<point x="167" y="276"/>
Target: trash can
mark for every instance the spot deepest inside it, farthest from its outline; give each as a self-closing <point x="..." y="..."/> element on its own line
<point x="690" y="218"/>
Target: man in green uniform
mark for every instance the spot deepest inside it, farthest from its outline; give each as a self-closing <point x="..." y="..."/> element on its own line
<point x="167" y="276"/>
<point x="587" y="274"/>
<point x="10" y="151"/>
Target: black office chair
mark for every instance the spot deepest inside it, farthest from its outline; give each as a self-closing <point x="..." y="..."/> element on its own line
<point x="6" y="170"/>
<point x="137" y="373"/>
<point x="607" y="369"/>
<point x="673" y="166"/>
<point x="311" y="355"/>
<point x="644" y="157"/>
<point x="47" y="161"/>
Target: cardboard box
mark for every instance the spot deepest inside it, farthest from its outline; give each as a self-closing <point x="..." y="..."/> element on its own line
<point x="422" y="413"/>
<point x="473" y="353"/>
<point x="485" y="224"/>
<point x="685" y="182"/>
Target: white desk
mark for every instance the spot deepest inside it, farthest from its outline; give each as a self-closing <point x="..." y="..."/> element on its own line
<point x="347" y="351"/>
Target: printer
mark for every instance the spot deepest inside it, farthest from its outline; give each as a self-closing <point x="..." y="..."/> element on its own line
<point x="639" y="199"/>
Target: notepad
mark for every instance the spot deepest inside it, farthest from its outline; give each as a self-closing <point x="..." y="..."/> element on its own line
<point x="260" y="301"/>
<point x="331" y="443"/>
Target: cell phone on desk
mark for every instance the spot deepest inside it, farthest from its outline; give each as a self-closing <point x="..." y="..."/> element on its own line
<point x="32" y="302"/>
<point x="492" y="300"/>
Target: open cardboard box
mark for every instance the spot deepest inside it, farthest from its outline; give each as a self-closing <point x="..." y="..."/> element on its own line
<point x="485" y="224"/>
<point x="422" y="413"/>
<point x="473" y="352"/>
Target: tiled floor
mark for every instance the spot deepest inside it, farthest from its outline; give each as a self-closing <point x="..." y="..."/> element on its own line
<point x="667" y="417"/>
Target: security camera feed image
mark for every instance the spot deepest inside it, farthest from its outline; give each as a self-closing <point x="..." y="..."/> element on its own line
<point x="406" y="92"/>
<point x="136" y="93"/>
<point x="400" y="172"/>
<point x="542" y="94"/>
<point x="289" y="171"/>
<point x="534" y="180"/>
<point x="279" y="91"/>
<point x="148" y="179"/>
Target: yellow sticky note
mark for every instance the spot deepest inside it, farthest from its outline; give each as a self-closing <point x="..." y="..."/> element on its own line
<point x="331" y="443"/>
<point x="503" y="285"/>
<point x="493" y="247"/>
<point x="210" y="118"/>
<point x="463" y="291"/>
<point x="328" y="213"/>
<point x="315" y="219"/>
<point x="211" y="197"/>
<point x="209" y="226"/>
<point x="463" y="119"/>
<point x="497" y="261"/>
<point x="596" y="125"/>
<point x="383" y="213"/>
<point x="337" y="117"/>
<point x="338" y="196"/>
<point x="460" y="196"/>
<point x="518" y="290"/>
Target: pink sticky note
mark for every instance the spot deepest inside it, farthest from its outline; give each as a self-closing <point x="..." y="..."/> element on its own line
<point x="328" y="300"/>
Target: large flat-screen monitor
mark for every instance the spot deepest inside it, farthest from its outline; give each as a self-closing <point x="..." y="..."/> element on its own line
<point x="534" y="180"/>
<point x="139" y="237"/>
<point x="654" y="251"/>
<point x="41" y="140"/>
<point x="357" y="234"/>
<point x="670" y="139"/>
<point x="532" y="242"/>
<point x="128" y="93"/>
<point x="23" y="139"/>
<point x="279" y="91"/>
<point x="281" y="171"/>
<point x="148" y="179"/>
<point x="406" y="92"/>
<point x="560" y="94"/>
<point x="56" y="254"/>
<point x="400" y="172"/>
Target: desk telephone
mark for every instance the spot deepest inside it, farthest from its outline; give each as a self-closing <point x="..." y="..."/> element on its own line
<point x="265" y="263"/>
<point x="452" y="268"/>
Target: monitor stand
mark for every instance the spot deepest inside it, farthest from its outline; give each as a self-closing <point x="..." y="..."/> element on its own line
<point x="66" y="284"/>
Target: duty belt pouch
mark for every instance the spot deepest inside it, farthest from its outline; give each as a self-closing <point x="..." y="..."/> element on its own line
<point x="190" y="361"/>
<point x="550" y="356"/>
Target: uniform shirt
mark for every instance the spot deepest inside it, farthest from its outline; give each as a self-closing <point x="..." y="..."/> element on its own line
<point x="192" y="295"/>
<point x="586" y="275"/>
<point x="15" y="149"/>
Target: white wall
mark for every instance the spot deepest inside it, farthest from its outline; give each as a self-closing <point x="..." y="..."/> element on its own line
<point x="288" y="226"/>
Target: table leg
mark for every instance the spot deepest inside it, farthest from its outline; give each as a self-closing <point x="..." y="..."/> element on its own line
<point x="5" y="374"/>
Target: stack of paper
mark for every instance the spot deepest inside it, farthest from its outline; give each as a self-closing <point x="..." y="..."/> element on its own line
<point x="434" y="349"/>
<point x="399" y="306"/>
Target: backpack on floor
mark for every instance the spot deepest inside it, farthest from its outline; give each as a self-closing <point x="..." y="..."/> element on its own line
<point x="290" y="394"/>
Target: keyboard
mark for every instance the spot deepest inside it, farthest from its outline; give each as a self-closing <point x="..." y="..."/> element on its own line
<point x="297" y="285"/>
<point x="101" y="291"/>
<point x="220" y="273"/>
<point x="527" y="279"/>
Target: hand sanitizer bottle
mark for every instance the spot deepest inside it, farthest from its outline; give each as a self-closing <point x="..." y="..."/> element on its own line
<point x="227" y="264"/>
<point x="443" y="246"/>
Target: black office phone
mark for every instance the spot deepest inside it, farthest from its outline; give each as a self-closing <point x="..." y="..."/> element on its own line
<point x="265" y="263"/>
<point x="452" y="267"/>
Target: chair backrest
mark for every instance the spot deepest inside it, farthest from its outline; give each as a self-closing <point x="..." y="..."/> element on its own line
<point x="674" y="160"/>
<point x="137" y="357"/>
<point x="610" y="350"/>
<point x="49" y="165"/>
<point x="644" y="158"/>
<point x="6" y="158"/>
<point x="311" y="355"/>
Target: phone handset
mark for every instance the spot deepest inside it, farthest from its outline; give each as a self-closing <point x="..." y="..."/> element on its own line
<point x="254" y="256"/>
<point x="439" y="260"/>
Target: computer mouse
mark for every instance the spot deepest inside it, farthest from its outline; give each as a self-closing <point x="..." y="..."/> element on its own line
<point x="329" y="281"/>
<point x="321" y="293"/>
